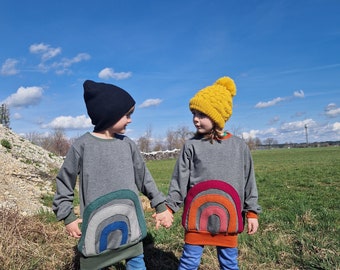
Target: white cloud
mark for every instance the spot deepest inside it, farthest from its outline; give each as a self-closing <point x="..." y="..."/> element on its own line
<point x="9" y="67"/>
<point x="331" y="110"/>
<point x="150" y="102"/>
<point x="325" y="132"/>
<point x="255" y="133"/>
<point x="46" y="51"/>
<point x="250" y="134"/>
<point x="80" y="57"/>
<point x="66" y="62"/>
<point x="299" y="94"/>
<point x="25" y="96"/>
<point x="296" y="132"/>
<point x="69" y="122"/>
<point x="273" y="102"/>
<point x="108" y="73"/>
<point x="336" y="127"/>
<point x="38" y="48"/>
<point x="297" y="125"/>
<point x="270" y="103"/>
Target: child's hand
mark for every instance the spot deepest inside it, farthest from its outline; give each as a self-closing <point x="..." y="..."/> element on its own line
<point x="72" y="229"/>
<point x="165" y="219"/>
<point x="253" y="225"/>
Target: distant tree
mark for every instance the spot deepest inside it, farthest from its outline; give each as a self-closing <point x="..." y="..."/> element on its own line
<point x="171" y="139"/>
<point x="269" y="142"/>
<point x="253" y="143"/>
<point x="144" y="142"/>
<point x="176" y="138"/>
<point x="61" y="143"/>
<point x="35" y="138"/>
<point x="183" y="133"/>
<point x="4" y="115"/>
<point x="56" y="143"/>
<point x="158" y="146"/>
<point x="257" y="141"/>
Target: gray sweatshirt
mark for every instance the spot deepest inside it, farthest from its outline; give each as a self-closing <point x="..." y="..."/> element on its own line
<point x="111" y="174"/>
<point x="228" y="160"/>
<point x="103" y="166"/>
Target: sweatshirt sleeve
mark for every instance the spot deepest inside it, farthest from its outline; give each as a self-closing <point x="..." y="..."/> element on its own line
<point x="145" y="182"/>
<point x="250" y="191"/>
<point x="66" y="182"/>
<point x="179" y="181"/>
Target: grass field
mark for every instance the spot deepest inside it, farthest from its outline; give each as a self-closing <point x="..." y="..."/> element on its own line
<point x="299" y="191"/>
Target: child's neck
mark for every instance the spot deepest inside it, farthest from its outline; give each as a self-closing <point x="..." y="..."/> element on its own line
<point x="105" y="134"/>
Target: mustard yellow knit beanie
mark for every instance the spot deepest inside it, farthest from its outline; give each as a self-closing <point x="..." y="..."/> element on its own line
<point x="216" y="101"/>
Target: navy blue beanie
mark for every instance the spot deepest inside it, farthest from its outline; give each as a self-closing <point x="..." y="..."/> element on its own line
<point x="106" y="103"/>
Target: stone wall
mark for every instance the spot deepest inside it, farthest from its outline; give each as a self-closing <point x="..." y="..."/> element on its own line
<point x="159" y="155"/>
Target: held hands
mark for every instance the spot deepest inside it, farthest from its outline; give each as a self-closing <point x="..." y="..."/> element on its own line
<point x="72" y="229"/>
<point x="164" y="219"/>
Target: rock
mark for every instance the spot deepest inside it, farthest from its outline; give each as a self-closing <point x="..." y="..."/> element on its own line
<point x="25" y="173"/>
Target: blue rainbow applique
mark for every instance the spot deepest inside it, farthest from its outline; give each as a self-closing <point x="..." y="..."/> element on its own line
<point x="112" y="221"/>
<point x="213" y="206"/>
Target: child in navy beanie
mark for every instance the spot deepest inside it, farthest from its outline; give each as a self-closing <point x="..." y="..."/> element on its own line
<point x="111" y="173"/>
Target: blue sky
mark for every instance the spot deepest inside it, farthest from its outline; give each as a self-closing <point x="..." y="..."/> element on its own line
<point x="284" y="57"/>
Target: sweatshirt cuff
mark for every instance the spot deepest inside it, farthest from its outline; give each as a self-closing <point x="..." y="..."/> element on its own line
<point x="70" y="218"/>
<point x="161" y="207"/>
<point x="169" y="209"/>
<point x="251" y="214"/>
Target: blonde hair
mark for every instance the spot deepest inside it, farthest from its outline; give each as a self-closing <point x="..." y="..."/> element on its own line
<point x="216" y="134"/>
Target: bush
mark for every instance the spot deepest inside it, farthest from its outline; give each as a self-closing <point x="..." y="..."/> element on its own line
<point x="5" y="143"/>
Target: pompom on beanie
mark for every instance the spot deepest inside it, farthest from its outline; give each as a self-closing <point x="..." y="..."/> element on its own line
<point x="216" y="101"/>
<point x="106" y="103"/>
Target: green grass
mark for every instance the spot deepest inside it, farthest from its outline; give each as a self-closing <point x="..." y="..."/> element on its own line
<point x="161" y="170"/>
<point x="47" y="200"/>
<point x="299" y="191"/>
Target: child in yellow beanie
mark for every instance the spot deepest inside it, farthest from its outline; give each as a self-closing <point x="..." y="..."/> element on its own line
<point x="214" y="179"/>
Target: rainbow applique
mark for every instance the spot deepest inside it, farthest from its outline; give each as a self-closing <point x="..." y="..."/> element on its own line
<point x="110" y="222"/>
<point x="213" y="206"/>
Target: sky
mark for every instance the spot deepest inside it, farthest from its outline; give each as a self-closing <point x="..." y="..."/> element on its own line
<point x="284" y="56"/>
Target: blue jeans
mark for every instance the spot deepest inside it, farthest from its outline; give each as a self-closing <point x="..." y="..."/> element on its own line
<point x="136" y="263"/>
<point x="191" y="257"/>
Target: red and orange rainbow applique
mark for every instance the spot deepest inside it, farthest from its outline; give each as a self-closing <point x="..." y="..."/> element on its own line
<point x="213" y="206"/>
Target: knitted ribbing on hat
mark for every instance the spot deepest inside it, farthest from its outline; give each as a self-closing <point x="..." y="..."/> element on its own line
<point x="216" y="101"/>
